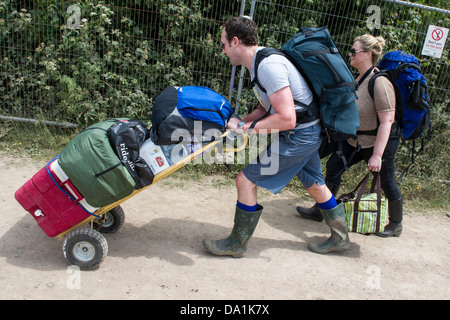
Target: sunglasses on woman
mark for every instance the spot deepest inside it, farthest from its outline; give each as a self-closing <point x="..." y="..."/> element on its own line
<point x="353" y="52"/>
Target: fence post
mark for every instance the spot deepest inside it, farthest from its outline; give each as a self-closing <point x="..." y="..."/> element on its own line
<point x="241" y="77"/>
<point x="233" y="69"/>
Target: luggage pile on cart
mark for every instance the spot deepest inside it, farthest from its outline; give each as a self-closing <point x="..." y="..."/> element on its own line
<point x="111" y="161"/>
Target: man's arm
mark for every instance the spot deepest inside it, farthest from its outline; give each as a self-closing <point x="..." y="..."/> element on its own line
<point x="254" y="115"/>
<point x="284" y="117"/>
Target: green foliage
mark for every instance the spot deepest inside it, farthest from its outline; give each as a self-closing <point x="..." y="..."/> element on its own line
<point x="86" y="61"/>
<point x="37" y="141"/>
<point x="112" y="63"/>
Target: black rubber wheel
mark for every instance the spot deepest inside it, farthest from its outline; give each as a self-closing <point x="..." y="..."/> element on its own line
<point x="85" y="248"/>
<point x="113" y="221"/>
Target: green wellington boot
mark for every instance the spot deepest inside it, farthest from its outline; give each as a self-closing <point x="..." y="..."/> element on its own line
<point x="339" y="241"/>
<point x="235" y="244"/>
<point x="314" y="213"/>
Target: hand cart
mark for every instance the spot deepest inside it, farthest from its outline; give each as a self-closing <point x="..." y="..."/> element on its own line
<point x="87" y="247"/>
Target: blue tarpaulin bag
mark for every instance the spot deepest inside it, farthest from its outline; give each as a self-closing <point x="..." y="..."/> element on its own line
<point x="202" y="103"/>
<point x="189" y="113"/>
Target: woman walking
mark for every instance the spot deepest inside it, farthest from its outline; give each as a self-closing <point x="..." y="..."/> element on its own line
<point x="378" y="135"/>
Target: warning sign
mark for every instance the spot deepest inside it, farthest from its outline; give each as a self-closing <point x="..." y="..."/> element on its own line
<point x="435" y="41"/>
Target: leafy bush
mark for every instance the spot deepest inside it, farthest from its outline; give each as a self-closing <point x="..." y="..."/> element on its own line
<point x="104" y="64"/>
<point x="87" y="61"/>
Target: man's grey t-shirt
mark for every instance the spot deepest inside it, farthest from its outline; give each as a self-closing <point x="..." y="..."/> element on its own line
<point x="276" y="72"/>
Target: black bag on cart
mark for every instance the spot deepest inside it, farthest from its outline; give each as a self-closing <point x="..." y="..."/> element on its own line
<point x="126" y="138"/>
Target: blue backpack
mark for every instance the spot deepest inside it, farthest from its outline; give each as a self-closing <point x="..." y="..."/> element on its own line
<point x="202" y="103"/>
<point x="316" y="56"/>
<point x="412" y="109"/>
<point x="188" y="109"/>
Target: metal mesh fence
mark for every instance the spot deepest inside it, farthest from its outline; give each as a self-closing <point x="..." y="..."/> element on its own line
<point x="403" y="25"/>
<point x="80" y="61"/>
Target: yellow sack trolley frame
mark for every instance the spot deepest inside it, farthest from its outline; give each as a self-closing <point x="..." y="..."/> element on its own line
<point x="87" y="247"/>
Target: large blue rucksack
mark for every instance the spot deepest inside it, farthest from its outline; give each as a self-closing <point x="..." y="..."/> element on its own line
<point x="412" y="110"/>
<point x="320" y="62"/>
<point x="179" y="112"/>
<point x="202" y="103"/>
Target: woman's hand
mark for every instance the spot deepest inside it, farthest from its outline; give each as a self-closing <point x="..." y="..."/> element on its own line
<point x="375" y="163"/>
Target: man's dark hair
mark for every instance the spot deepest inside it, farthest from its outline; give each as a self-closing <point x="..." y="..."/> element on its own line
<point x="244" y="29"/>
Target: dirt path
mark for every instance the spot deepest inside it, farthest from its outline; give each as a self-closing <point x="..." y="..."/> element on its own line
<point x="158" y="254"/>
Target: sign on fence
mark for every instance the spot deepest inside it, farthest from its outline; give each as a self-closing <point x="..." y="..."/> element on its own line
<point x="435" y="41"/>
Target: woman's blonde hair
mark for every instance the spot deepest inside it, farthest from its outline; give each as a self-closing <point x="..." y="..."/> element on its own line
<point x="372" y="44"/>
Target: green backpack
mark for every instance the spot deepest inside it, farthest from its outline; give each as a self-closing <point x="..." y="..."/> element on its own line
<point x="318" y="59"/>
<point x="94" y="168"/>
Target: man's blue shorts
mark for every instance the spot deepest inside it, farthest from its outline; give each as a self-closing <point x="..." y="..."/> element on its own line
<point x="293" y="153"/>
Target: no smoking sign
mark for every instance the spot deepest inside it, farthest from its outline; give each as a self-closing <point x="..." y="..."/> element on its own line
<point x="435" y="41"/>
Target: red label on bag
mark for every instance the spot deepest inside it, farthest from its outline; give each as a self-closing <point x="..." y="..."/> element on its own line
<point x="160" y="161"/>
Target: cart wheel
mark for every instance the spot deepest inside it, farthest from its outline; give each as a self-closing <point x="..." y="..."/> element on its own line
<point x="113" y="221"/>
<point x="85" y="248"/>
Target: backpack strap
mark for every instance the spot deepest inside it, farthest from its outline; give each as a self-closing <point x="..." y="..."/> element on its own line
<point x="260" y="56"/>
<point x="377" y="73"/>
<point x="413" y="158"/>
<point x="408" y="65"/>
<point x="390" y="75"/>
<point x="252" y="126"/>
<point x="309" y="112"/>
<point x="365" y="76"/>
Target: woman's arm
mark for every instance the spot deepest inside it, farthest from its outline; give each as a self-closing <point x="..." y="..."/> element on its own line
<point x="386" y="118"/>
<point x="384" y="98"/>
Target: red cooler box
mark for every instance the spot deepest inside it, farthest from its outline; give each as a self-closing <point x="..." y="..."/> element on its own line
<point x="53" y="201"/>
